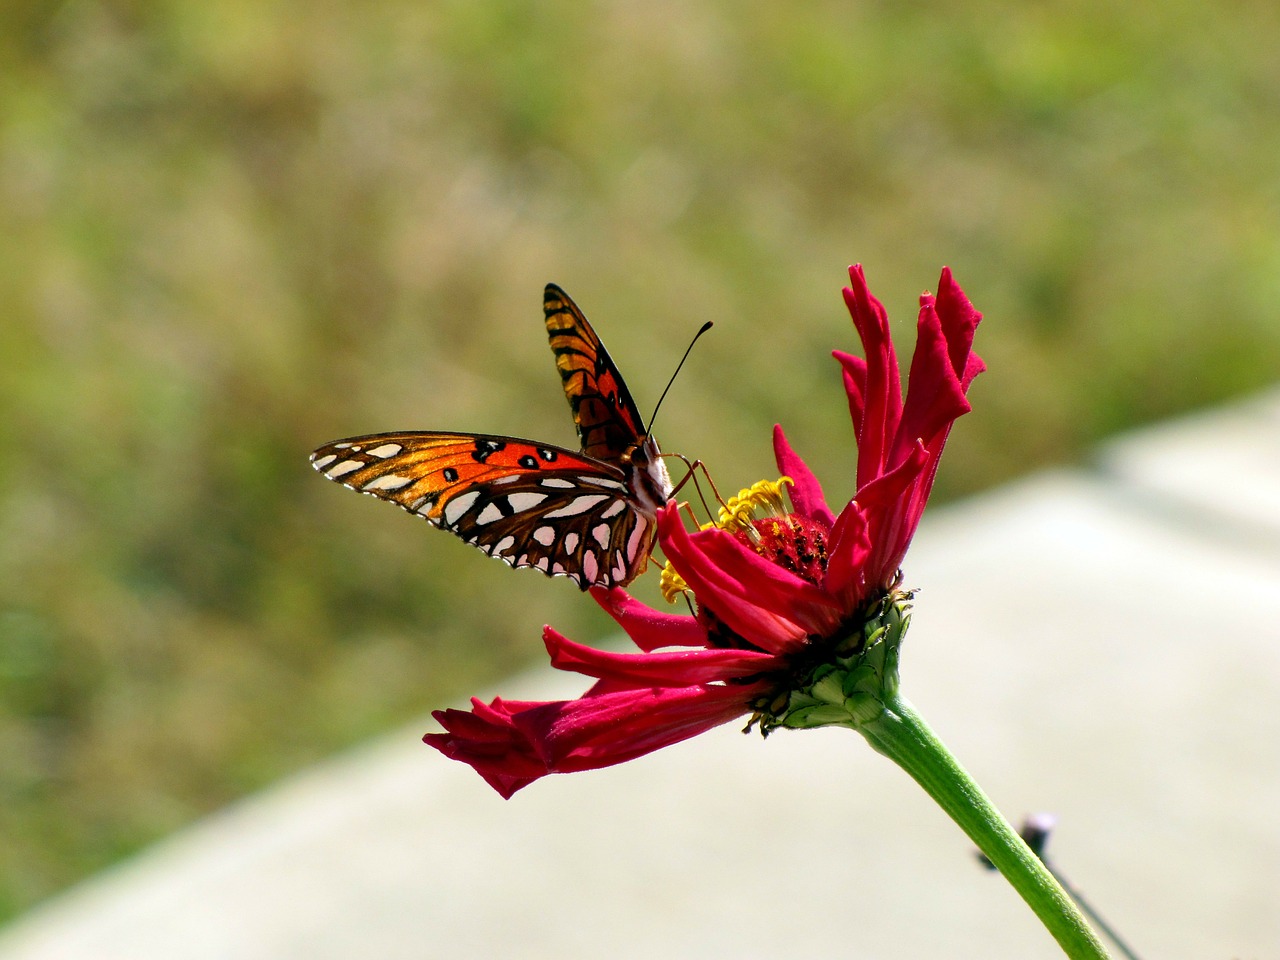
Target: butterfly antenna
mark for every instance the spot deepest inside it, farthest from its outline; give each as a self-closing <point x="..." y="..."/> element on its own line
<point x="705" y="327"/>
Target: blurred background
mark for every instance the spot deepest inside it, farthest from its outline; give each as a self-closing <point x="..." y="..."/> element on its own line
<point x="234" y="231"/>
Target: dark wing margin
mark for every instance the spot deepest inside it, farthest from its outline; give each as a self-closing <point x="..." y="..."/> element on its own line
<point x="605" y="414"/>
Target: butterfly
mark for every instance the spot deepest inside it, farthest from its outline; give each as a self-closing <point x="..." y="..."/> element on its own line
<point x="589" y="515"/>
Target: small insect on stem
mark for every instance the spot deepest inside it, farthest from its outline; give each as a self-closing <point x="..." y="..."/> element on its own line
<point x="1035" y="834"/>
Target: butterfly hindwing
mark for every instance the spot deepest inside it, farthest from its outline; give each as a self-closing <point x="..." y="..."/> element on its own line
<point x="529" y="504"/>
<point x="608" y="423"/>
<point x="561" y="522"/>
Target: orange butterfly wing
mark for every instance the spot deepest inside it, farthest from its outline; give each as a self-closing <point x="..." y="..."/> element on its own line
<point x="422" y="472"/>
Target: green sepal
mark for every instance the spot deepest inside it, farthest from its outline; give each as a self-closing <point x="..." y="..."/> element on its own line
<point x="850" y="686"/>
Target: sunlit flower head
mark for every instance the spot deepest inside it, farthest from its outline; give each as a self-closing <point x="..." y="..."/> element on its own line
<point x="785" y="600"/>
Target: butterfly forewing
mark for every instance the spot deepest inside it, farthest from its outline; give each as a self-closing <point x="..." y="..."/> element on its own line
<point x="532" y="505"/>
<point x="609" y="424"/>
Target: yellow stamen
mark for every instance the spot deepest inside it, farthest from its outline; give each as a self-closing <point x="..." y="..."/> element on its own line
<point x="671" y="583"/>
<point x="739" y="513"/>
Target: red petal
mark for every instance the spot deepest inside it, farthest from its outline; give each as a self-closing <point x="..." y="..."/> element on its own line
<point x="677" y="668"/>
<point x="594" y="732"/>
<point x="881" y="397"/>
<point x="847" y="557"/>
<point x="854" y="372"/>
<point x="767" y="584"/>
<point x="959" y="320"/>
<point x="893" y="504"/>
<point x="935" y="395"/>
<point x="731" y="589"/>
<point x="806" y="493"/>
<point x="490" y="743"/>
<point x="649" y="629"/>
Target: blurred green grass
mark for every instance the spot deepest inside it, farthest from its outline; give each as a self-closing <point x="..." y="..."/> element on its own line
<point x="236" y="230"/>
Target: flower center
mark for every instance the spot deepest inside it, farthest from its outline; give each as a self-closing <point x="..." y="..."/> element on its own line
<point x="758" y="517"/>
<point x="794" y="543"/>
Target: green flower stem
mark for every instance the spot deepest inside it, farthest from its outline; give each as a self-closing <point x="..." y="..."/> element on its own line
<point x="902" y="735"/>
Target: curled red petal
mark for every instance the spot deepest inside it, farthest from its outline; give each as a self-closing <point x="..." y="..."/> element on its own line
<point x="676" y="668"/>
<point x="935" y="394"/>
<point x="486" y="738"/>
<point x="960" y="320"/>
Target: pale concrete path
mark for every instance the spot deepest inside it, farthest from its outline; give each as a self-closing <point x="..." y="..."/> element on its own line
<point x="1102" y="643"/>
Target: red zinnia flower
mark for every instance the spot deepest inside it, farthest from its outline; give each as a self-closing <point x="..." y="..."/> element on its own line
<point x="781" y="600"/>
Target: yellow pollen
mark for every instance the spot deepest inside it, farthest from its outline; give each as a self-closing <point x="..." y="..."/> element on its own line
<point x="739" y="513"/>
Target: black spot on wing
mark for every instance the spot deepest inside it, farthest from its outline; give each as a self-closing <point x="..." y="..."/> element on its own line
<point x="485" y="448"/>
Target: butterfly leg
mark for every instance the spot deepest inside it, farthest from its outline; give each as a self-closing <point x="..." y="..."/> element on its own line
<point x="691" y="470"/>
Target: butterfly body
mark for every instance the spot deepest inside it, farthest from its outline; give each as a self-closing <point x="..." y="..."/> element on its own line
<point x="589" y="515"/>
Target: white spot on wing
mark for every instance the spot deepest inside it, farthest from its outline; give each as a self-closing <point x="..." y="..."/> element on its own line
<point x="601" y="534"/>
<point x="558" y="482"/>
<point x="388" y="481"/>
<point x="545" y="535"/>
<point x="455" y="508"/>
<point x="620" y="568"/>
<point x="324" y="461"/>
<point x="614" y="509"/>
<point x="342" y="469"/>
<point x="570" y="542"/>
<point x="525" y="501"/>
<point x="589" y="567"/>
<point x="502" y="546"/>
<point x="637" y="537"/>
<point x="489" y="514"/>
<point x="386" y="450"/>
<point x="543" y="564"/>
<point x="576" y="506"/>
